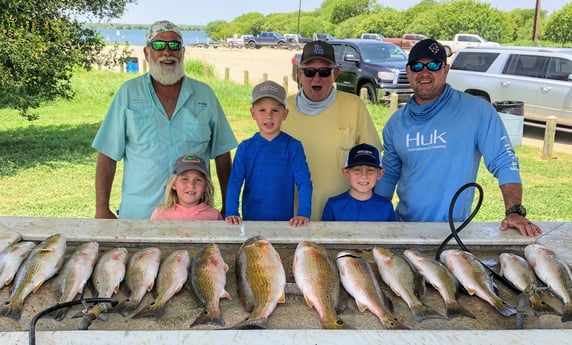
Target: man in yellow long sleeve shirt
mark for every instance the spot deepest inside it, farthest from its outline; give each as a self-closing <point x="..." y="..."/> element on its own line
<point x="327" y="123"/>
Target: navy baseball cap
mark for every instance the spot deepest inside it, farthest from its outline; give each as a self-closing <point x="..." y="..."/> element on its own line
<point x="318" y="50"/>
<point x="363" y="154"/>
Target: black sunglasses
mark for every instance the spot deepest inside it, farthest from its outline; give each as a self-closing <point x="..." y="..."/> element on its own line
<point x="324" y="72"/>
<point x="161" y="45"/>
<point x="432" y="66"/>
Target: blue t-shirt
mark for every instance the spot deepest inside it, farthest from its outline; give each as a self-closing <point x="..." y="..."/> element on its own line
<point x="137" y="130"/>
<point x="345" y="207"/>
<point x="433" y="149"/>
<point x="269" y="171"/>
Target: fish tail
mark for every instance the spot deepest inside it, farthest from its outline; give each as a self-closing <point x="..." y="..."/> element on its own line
<point x="12" y="309"/>
<point x="392" y="323"/>
<point x="252" y="323"/>
<point x="209" y="316"/>
<point x="153" y="309"/>
<point x="567" y="314"/>
<point x="127" y="307"/>
<point x="536" y="297"/>
<point x="61" y="314"/>
<point x="503" y="307"/>
<point x="422" y="312"/>
<point x="455" y="309"/>
<point x="334" y="324"/>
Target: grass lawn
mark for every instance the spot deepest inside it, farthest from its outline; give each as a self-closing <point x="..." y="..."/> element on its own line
<point x="47" y="166"/>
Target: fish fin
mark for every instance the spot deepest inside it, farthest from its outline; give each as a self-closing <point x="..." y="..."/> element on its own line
<point x="225" y="267"/>
<point x="282" y="298"/>
<point x="455" y="309"/>
<point x="503" y="307"/>
<point x="152" y="309"/>
<point x="361" y="307"/>
<point x="37" y="286"/>
<point x="308" y="301"/>
<point x="209" y="316"/>
<point x="226" y="295"/>
<point x="422" y="312"/>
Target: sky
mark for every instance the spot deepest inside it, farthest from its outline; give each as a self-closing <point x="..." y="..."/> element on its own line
<point x="193" y="12"/>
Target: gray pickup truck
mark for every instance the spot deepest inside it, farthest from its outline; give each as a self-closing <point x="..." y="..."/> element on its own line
<point x="377" y="66"/>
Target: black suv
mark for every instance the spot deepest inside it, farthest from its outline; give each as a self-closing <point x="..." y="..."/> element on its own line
<point x="377" y="66"/>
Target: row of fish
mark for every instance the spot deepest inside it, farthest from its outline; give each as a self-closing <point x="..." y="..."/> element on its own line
<point x="261" y="280"/>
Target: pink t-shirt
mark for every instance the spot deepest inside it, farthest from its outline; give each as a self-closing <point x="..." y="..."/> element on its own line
<point x="178" y="212"/>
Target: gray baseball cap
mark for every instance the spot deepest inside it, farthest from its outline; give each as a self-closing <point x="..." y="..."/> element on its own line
<point x="190" y="161"/>
<point x="269" y="89"/>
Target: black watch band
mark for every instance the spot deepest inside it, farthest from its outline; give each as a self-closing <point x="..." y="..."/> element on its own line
<point x="518" y="209"/>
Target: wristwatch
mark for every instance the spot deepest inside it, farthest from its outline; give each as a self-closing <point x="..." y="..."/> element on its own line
<point x="518" y="209"/>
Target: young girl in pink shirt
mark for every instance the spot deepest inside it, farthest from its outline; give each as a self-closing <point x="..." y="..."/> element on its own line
<point x="189" y="194"/>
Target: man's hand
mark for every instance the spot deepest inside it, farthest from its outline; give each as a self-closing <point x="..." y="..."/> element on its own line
<point x="522" y="224"/>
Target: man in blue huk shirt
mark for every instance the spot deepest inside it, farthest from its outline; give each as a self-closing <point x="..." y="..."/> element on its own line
<point x="433" y="146"/>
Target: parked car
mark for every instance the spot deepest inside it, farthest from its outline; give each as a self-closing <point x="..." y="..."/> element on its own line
<point x="266" y="39"/>
<point x="369" y="36"/>
<point x="237" y="41"/>
<point x="207" y="43"/>
<point x="377" y="66"/>
<point x="465" y="40"/>
<point x="538" y="76"/>
<point x="323" y="37"/>
<point x="406" y="41"/>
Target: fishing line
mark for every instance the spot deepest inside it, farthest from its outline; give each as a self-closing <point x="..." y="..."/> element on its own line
<point x="455" y="231"/>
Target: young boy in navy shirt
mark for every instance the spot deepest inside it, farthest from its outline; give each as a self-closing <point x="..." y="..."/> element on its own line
<point x="363" y="170"/>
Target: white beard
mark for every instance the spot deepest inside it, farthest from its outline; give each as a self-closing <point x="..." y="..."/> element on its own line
<point x="167" y="74"/>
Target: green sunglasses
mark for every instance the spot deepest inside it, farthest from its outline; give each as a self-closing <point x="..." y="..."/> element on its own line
<point x="161" y="45"/>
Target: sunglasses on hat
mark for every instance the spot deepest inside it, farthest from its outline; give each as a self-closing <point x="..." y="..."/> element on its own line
<point x="324" y="72"/>
<point x="432" y="66"/>
<point x="161" y="45"/>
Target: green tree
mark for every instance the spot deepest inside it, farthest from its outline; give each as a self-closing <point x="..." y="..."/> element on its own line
<point x="559" y="26"/>
<point x="41" y="44"/>
<point x="345" y="9"/>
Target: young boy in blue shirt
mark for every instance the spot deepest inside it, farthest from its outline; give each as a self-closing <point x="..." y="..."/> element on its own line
<point x="270" y="164"/>
<point x="363" y="170"/>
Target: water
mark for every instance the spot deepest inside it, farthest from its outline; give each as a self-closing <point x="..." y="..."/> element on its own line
<point x="136" y="37"/>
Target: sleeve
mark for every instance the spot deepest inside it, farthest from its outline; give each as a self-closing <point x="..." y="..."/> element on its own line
<point x="328" y="213"/>
<point x="302" y="180"/>
<point x="235" y="181"/>
<point x="498" y="153"/>
<point x="110" y="138"/>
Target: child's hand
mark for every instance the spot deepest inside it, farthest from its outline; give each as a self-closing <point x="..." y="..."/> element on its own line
<point x="233" y="220"/>
<point x="299" y="221"/>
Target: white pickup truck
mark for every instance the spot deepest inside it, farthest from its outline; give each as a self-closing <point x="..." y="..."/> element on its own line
<point x="465" y="40"/>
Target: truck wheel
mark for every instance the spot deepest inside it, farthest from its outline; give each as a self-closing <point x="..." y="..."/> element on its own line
<point x="371" y="95"/>
<point x="231" y="45"/>
<point x="281" y="45"/>
<point x="251" y="45"/>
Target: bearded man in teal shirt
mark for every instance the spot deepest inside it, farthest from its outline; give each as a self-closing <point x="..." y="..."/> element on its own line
<point x="153" y="120"/>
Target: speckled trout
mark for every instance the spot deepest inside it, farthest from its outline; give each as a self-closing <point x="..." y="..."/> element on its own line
<point x="405" y="282"/>
<point x="554" y="272"/>
<point x="208" y="278"/>
<point x="358" y="279"/>
<point x="261" y="280"/>
<point x="317" y="278"/>
<point x="441" y="279"/>
<point x="43" y="263"/>
<point x="74" y="275"/>
<point x="142" y="271"/>
<point x="11" y="258"/>
<point x="475" y="278"/>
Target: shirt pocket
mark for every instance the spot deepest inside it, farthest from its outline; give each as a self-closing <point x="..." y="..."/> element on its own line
<point x="346" y="138"/>
<point x="141" y="126"/>
<point x="197" y="136"/>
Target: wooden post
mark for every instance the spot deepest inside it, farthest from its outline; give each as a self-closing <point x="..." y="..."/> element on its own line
<point x="144" y="66"/>
<point x="549" y="135"/>
<point x="245" y="77"/>
<point x="226" y="73"/>
<point x="363" y="94"/>
<point x="393" y="102"/>
<point x="264" y="76"/>
<point x="285" y="83"/>
<point x="206" y="70"/>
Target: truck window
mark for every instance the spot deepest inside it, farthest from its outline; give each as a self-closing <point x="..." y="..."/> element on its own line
<point x="471" y="61"/>
<point x="526" y="65"/>
<point x="559" y="69"/>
